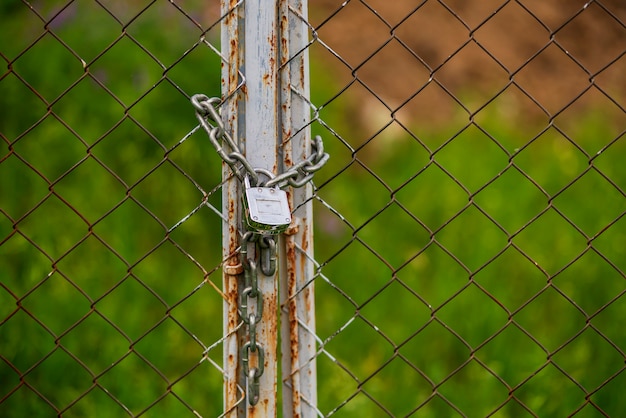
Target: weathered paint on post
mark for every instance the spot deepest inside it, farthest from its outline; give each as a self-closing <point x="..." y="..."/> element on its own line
<point x="260" y="142"/>
<point x="266" y="117"/>
<point x="297" y="292"/>
<point x="234" y="403"/>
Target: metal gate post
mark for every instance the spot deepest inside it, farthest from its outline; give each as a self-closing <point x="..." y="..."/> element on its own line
<point x="232" y="79"/>
<point x="250" y="46"/>
<point x="299" y="379"/>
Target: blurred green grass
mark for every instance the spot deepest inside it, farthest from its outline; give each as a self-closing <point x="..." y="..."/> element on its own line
<point x="480" y="272"/>
<point x="434" y="276"/>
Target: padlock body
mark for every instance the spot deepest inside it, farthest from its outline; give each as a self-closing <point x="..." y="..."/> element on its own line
<point x="266" y="210"/>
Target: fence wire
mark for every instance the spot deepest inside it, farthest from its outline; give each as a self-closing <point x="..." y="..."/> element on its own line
<point x="469" y="226"/>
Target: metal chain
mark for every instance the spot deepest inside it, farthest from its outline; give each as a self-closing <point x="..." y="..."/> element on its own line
<point x="265" y="251"/>
<point x="251" y="319"/>
<point x="296" y="176"/>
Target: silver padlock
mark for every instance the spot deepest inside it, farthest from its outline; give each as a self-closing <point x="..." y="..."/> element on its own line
<point x="266" y="209"/>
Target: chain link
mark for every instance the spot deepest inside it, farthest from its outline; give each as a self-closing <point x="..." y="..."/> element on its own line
<point x="265" y="250"/>
<point x="296" y="176"/>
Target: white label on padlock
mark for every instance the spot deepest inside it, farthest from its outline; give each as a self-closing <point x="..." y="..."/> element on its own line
<point x="268" y="206"/>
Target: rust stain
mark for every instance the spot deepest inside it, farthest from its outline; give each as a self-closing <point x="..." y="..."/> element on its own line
<point x="289" y="161"/>
<point x="294" y="344"/>
<point x="284" y="40"/>
<point x="305" y="236"/>
<point x="287" y="134"/>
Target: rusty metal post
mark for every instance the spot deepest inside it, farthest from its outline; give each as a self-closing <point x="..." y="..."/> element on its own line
<point x="260" y="142"/>
<point x="299" y="379"/>
<point x="232" y="95"/>
<point x="265" y="86"/>
<point x="250" y="110"/>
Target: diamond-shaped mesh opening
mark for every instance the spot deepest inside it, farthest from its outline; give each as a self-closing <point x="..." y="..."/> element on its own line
<point x="550" y="390"/>
<point x="552" y="56"/>
<point x="71" y="378"/>
<point x="550" y="241"/>
<point x="51" y="134"/>
<point x="130" y="248"/>
<point x="486" y="389"/>
<point x="601" y="399"/>
<point x="27" y="401"/>
<point x="126" y="60"/>
<point x="101" y="103"/>
<point x="23" y="354"/>
<point x="68" y="27"/>
<point x="483" y="320"/>
<point x="589" y="352"/>
<point x="472" y="238"/>
<point x="377" y="235"/>
<point x="130" y="160"/>
<point x="134" y="368"/>
<point x="56" y="303"/>
<point x="395" y="380"/>
<point x="95" y="331"/>
<point x="416" y="73"/>
<point x="512" y="35"/>
<point x="363" y="363"/>
<point x="434" y="275"/>
<point x="565" y="320"/>
<point x="92" y="402"/>
<point x="512" y="342"/>
<point x="428" y="43"/>
<point x="511" y="278"/>
<point x="104" y="270"/>
<point x="478" y="148"/>
<point x="16" y="176"/>
<point x="53" y="239"/>
<point x="611" y="34"/>
<point x="511" y="210"/>
<point x="59" y="60"/>
<point x="551" y="160"/>
<point x="14" y="90"/>
<point x="399" y="301"/>
<point x="429" y="184"/>
<point x="91" y="203"/>
<point x="597" y="209"/>
<point x="435" y="351"/>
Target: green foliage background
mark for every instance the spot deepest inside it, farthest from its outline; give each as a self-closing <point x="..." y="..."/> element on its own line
<point x="98" y="303"/>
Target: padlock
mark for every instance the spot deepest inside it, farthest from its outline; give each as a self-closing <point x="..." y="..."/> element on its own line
<point x="266" y="209"/>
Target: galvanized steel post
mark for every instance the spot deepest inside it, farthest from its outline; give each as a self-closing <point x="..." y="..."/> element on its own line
<point x="265" y="86"/>
<point x="250" y="83"/>
<point x="232" y="94"/>
<point x="297" y="303"/>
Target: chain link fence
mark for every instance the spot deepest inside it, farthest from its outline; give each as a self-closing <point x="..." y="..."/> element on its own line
<point x="470" y="235"/>
<point x="110" y="291"/>
<point x="469" y="225"/>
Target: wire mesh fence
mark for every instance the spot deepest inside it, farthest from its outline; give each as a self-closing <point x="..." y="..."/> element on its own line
<point x="111" y="211"/>
<point x="469" y="226"/>
<point x="470" y="234"/>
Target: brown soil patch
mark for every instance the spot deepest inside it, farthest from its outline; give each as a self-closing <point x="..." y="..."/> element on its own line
<point x="544" y="58"/>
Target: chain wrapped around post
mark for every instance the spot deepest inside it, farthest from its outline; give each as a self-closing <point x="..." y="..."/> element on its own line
<point x="265" y="244"/>
<point x="296" y="176"/>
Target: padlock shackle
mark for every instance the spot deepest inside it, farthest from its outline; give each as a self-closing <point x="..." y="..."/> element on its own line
<point x="259" y="183"/>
